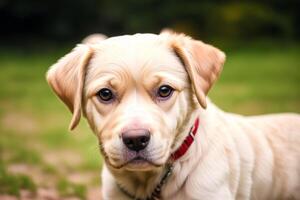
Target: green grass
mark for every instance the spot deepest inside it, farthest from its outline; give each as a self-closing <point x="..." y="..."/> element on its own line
<point x="67" y="189"/>
<point x="257" y="81"/>
<point x="12" y="183"/>
<point x="33" y="123"/>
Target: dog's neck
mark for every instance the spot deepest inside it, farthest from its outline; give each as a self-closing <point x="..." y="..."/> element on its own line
<point x="138" y="184"/>
<point x="142" y="184"/>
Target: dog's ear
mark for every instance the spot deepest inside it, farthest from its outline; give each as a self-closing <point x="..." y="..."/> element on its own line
<point x="66" y="78"/>
<point x="202" y="62"/>
<point x="94" y="38"/>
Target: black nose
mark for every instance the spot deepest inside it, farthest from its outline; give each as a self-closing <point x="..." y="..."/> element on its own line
<point x="136" y="139"/>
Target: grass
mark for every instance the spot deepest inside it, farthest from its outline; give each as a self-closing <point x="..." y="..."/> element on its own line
<point x="33" y="122"/>
<point x="12" y="183"/>
<point x="67" y="188"/>
<point x="257" y="81"/>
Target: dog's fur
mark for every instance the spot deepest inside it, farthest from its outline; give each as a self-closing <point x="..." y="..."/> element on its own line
<point x="233" y="157"/>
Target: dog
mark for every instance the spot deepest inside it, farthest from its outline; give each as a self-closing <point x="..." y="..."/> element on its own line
<point x="145" y="98"/>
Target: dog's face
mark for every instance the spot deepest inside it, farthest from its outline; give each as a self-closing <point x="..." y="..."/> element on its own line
<point x="137" y="93"/>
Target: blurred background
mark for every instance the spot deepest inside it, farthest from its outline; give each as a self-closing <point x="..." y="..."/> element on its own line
<point x="40" y="159"/>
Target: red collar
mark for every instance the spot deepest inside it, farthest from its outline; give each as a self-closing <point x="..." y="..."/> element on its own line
<point x="187" y="142"/>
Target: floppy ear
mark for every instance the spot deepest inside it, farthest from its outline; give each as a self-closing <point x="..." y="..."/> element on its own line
<point x="202" y="62"/>
<point x="66" y="78"/>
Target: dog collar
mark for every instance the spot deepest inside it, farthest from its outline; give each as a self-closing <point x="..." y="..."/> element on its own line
<point x="187" y="142"/>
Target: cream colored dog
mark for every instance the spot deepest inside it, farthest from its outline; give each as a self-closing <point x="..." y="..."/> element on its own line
<point x="141" y="95"/>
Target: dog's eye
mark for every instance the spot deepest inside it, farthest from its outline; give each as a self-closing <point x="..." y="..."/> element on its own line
<point x="105" y="95"/>
<point x="164" y="91"/>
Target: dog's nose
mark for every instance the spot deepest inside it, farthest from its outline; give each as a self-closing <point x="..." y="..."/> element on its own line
<point x="136" y="139"/>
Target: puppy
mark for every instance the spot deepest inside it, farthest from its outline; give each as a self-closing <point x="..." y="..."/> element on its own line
<point x="144" y="96"/>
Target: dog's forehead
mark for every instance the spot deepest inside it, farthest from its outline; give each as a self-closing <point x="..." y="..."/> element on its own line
<point x="134" y="54"/>
<point x="131" y="45"/>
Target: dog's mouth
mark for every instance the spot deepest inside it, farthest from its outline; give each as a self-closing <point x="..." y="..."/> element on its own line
<point x="138" y="163"/>
<point x="135" y="160"/>
<point x="139" y="160"/>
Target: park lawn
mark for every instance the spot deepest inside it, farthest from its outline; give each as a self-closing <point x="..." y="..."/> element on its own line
<point x="37" y="150"/>
<point x="259" y="80"/>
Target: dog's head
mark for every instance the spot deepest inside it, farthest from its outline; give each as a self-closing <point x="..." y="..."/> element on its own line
<point x="137" y="92"/>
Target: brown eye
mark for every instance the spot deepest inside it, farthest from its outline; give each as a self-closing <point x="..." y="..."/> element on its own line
<point x="164" y="92"/>
<point x="105" y="95"/>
